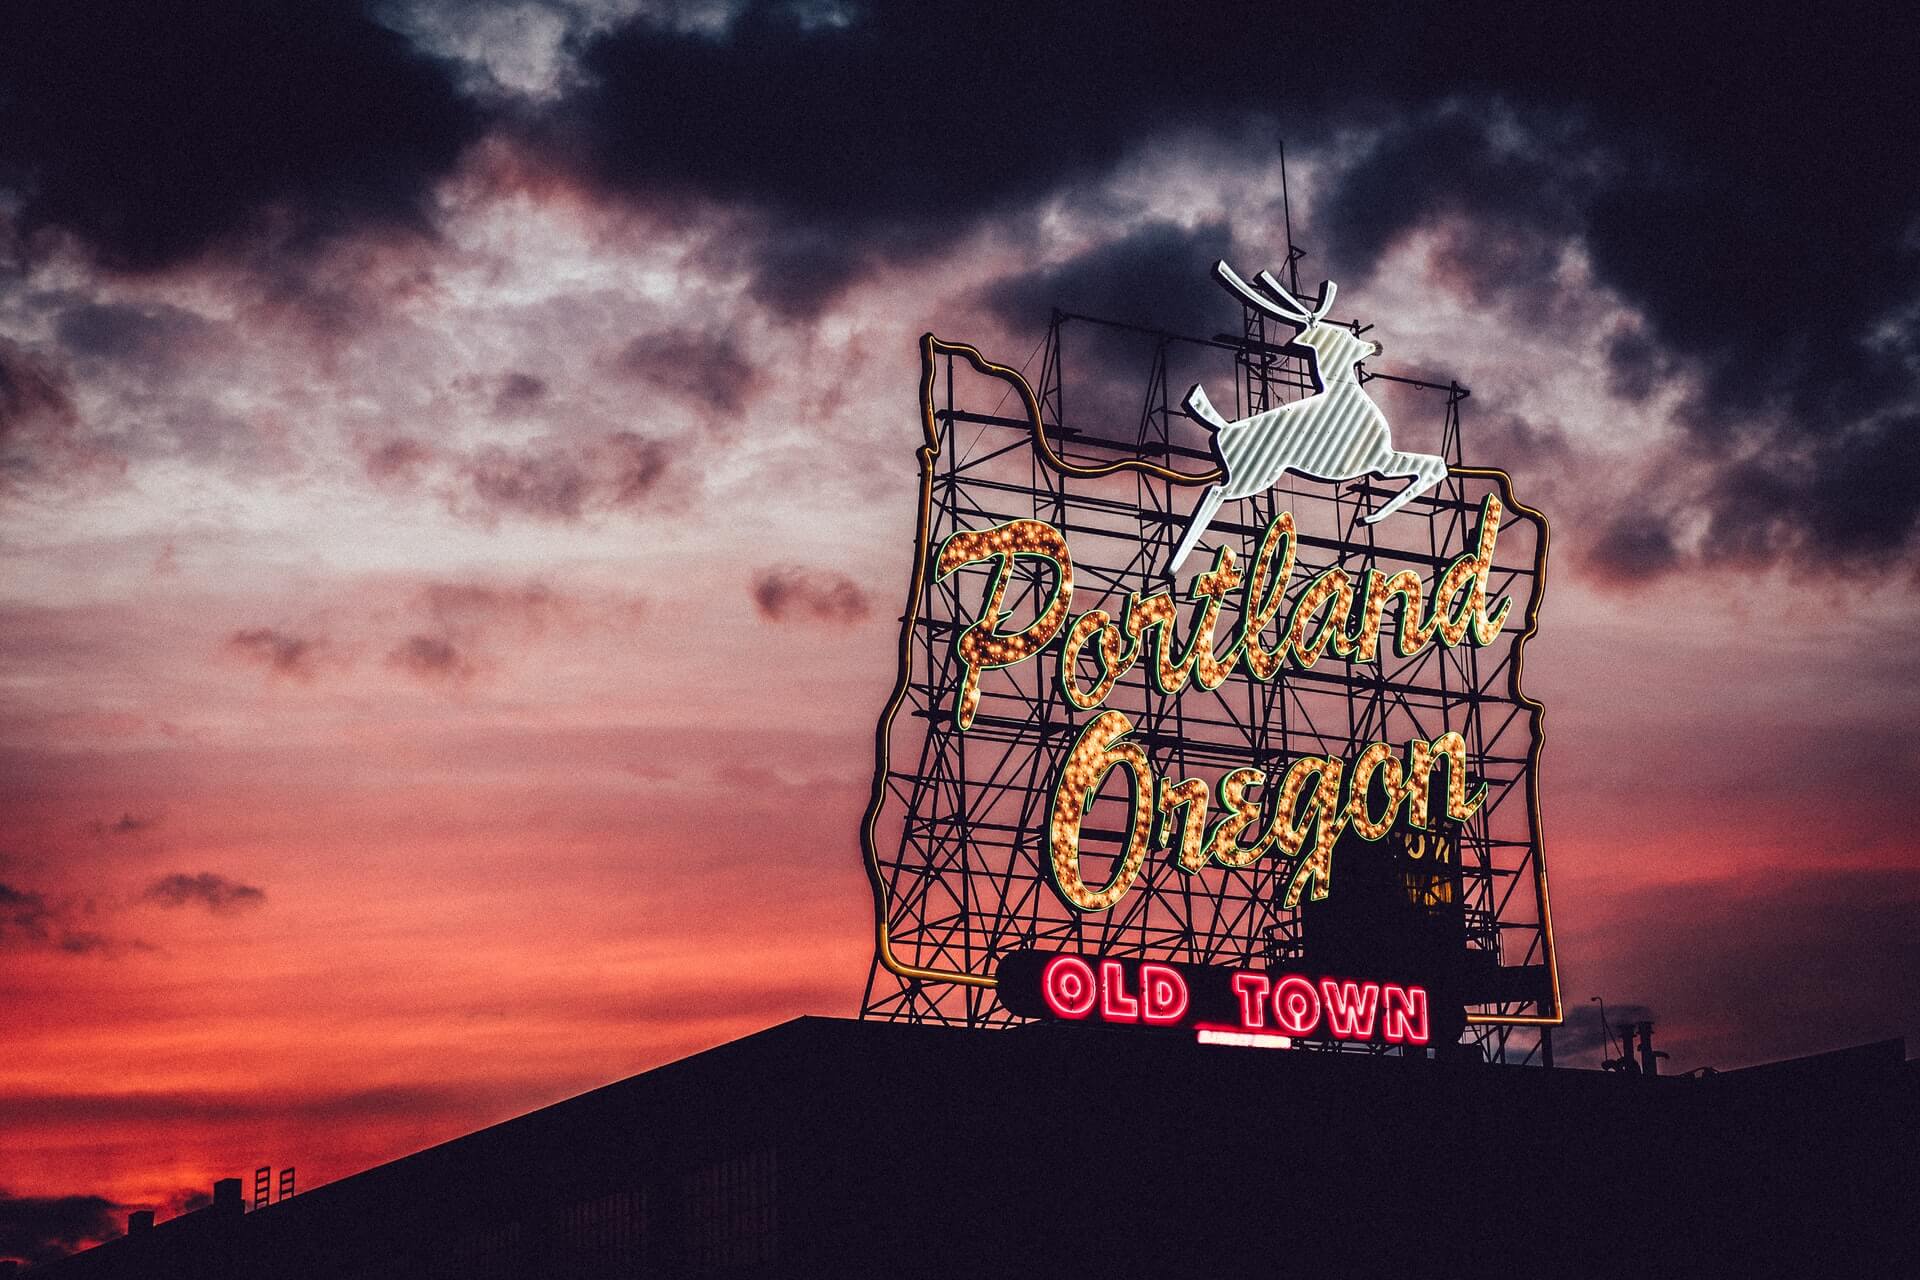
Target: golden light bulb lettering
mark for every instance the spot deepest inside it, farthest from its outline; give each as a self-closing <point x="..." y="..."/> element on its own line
<point x="1095" y="753"/>
<point x="1299" y="814"/>
<point x="1188" y="798"/>
<point x="983" y="645"/>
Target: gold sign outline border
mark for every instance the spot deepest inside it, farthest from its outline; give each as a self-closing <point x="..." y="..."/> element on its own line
<point x="931" y="349"/>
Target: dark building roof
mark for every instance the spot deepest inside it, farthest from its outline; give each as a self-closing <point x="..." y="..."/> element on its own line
<point x="827" y="1147"/>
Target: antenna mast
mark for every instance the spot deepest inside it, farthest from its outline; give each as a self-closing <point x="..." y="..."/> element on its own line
<point x="1286" y="212"/>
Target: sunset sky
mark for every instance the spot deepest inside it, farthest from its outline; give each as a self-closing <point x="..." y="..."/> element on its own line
<point x="456" y="493"/>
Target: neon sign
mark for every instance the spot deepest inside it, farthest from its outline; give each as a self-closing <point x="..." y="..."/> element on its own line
<point x="1086" y="752"/>
<point x="1222" y="1005"/>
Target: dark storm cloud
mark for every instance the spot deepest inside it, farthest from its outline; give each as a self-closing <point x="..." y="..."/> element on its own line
<point x="40" y="439"/>
<point x="31" y="390"/>
<point x="1637" y="366"/>
<point x="1713" y="203"/>
<point x="706" y="368"/>
<point x="798" y="269"/>
<point x="1712" y="169"/>
<point x="38" y="1229"/>
<point x="797" y="593"/>
<point x="518" y="391"/>
<point x="430" y="658"/>
<point x="281" y="652"/>
<point x="1632" y="547"/>
<point x="1159" y="275"/>
<point x="154" y="133"/>
<point x="550" y="482"/>
<point x="561" y="480"/>
<point x="150" y="338"/>
<point x="207" y="889"/>
<point x="1523" y="443"/>
<point x="885" y="137"/>
<point x="30" y="920"/>
<point x="1455" y="164"/>
<point x="1843" y="488"/>
<point x="467" y="628"/>
<point x="398" y="461"/>
<point x="1736" y="182"/>
<point x="847" y="125"/>
<point x="1801" y="428"/>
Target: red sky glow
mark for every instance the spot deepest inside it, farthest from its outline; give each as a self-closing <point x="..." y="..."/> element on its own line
<point x="439" y="655"/>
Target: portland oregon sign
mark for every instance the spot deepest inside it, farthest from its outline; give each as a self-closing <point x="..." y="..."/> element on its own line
<point x="1209" y="714"/>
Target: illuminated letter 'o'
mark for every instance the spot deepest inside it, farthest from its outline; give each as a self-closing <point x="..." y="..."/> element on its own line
<point x="1296" y="1005"/>
<point x="1096" y="752"/>
<point x="1067" y="986"/>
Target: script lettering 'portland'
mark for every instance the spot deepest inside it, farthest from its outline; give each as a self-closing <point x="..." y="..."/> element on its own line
<point x="1299" y="814"/>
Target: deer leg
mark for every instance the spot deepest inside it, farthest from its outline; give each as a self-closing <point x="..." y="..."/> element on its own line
<point x="1203" y="512"/>
<point x="1201" y="410"/>
<point x="1424" y="471"/>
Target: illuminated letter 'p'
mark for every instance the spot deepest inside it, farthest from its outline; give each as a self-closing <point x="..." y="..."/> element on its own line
<point x="982" y="644"/>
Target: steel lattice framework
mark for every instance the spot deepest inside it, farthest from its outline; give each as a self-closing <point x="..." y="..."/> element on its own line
<point x="957" y="832"/>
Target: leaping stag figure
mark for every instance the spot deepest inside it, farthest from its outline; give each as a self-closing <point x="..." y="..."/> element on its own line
<point x="1336" y="434"/>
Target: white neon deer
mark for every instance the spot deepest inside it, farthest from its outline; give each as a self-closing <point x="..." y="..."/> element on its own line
<point x="1336" y="434"/>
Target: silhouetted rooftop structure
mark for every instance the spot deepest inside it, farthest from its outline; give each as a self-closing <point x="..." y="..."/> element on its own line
<point x="823" y="1147"/>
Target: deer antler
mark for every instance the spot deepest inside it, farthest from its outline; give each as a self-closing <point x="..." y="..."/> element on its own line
<point x="1273" y="299"/>
<point x="1314" y="314"/>
<point x="1289" y="311"/>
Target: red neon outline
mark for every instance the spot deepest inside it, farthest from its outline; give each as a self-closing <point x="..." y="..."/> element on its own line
<point x="1252" y="989"/>
<point x="1115" y="1004"/>
<point x="1286" y="993"/>
<point x="1065" y="1004"/>
<point x="1168" y="1015"/>
<point x="1398" y="1025"/>
<point x="1339" y="996"/>
<point x="1344" y="1009"/>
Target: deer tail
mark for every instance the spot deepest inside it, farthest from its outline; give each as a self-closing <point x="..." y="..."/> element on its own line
<point x="1201" y="409"/>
